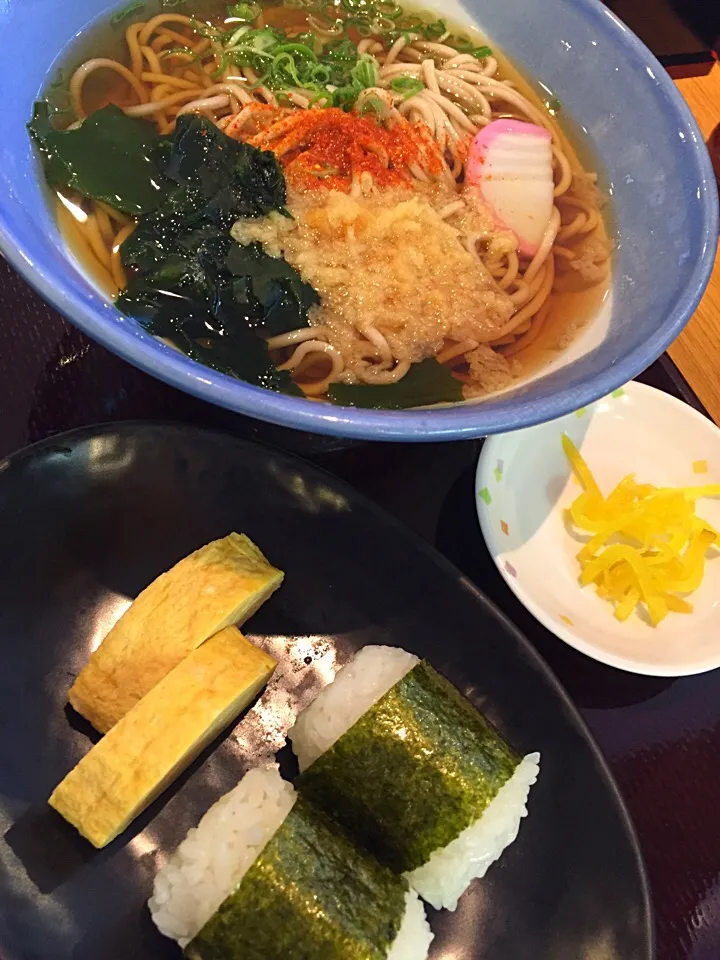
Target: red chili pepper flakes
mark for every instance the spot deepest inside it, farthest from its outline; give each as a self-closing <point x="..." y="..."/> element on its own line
<point x="326" y="147"/>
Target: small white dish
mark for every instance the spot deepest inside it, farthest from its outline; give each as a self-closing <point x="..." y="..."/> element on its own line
<point x="524" y="484"/>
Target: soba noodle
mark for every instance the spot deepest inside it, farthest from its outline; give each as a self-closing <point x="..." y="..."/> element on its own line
<point x="175" y="65"/>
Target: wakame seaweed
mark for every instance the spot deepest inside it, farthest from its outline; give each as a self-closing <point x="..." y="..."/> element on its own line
<point x="311" y="894"/>
<point x="418" y="768"/>
<point x="425" y="383"/>
<point x="109" y="157"/>
<point x="190" y="281"/>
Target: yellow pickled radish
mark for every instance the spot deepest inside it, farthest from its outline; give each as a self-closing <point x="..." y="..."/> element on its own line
<point x="647" y="545"/>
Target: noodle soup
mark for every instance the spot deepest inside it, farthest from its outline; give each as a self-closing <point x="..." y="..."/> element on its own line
<point x="357" y="203"/>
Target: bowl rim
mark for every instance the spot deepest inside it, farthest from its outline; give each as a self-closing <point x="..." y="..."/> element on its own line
<point x="460" y="421"/>
<point x="572" y="636"/>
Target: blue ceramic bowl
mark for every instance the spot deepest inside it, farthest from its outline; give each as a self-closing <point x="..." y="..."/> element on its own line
<point x="650" y="151"/>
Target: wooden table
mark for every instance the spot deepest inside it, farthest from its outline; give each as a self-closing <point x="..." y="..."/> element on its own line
<point x="696" y="352"/>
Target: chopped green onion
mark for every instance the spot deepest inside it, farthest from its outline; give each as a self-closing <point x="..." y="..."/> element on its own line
<point x="244" y="11"/>
<point x="362" y="25"/>
<point x="381" y="25"/>
<point x="411" y="23"/>
<point x="284" y="72"/>
<point x="388" y="8"/>
<point x="366" y="71"/>
<point x="323" y="25"/>
<point x="320" y="74"/>
<point x="342" y="50"/>
<point x="481" y="52"/>
<point x="372" y="104"/>
<point x="187" y="51"/>
<point x="555" y="105"/>
<point x="204" y="29"/>
<point x="296" y="48"/>
<point x="310" y="41"/>
<point x="126" y="12"/>
<point x="434" y="30"/>
<point x="244" y="56"/>
<point x="407" y="86"/>
<point x="332" y="72"/>
<point x="216" y="74"/>
<point x="235" y="35"/>
<point x="461" y="42"/>
<point x="325" y="97"/>
<point x="264" y="39"/>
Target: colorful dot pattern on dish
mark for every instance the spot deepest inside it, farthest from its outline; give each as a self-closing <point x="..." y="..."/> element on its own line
<point x="700" y="466"/>
<point x="581" y="412"/>
<point x="510" y="569"/>
<point x="484" y="494"/>
<point x="566" y="620"/>
<point x="620" y="392"/>
<point x="504" y="527"/>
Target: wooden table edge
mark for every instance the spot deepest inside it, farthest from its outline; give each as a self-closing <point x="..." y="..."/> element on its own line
<point x="696" y="352"/>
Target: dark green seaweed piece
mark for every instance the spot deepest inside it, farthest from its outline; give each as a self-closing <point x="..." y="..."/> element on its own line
<point x="195" y="286"/>
<point x="424" y="383"/>
<point x="417" y="769"/>
<point x="109" y="157"/>
<point x="278" y="287"/>
<point x="224" y="178"/>
<point x="310" y="895"/>
<point x="216" y="307"/>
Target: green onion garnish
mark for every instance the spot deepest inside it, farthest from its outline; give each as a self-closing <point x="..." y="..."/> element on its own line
<point x="244" y="11"/>
<point x="187" y="51"/>
<point x="372" y="104"/>
<point x="365" y="71"/>
<point x="407" y="86"/>
<point x="388" y="8"/>
<point x="434" y="30"/>
<point x="411" y="23"/>
<point x="461" y="42"/>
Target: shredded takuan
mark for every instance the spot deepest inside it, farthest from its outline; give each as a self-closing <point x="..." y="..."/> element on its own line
<point x="647" y="546"/>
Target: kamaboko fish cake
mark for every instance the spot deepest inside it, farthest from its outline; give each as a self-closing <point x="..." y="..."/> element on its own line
<point x="391" y="750"/>
<point x="265" y="876"/>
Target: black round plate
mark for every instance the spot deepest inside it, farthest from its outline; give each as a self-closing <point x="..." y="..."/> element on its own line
<point x="89" y="519"/>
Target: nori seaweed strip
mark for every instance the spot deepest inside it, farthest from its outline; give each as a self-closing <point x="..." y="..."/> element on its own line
<point x="413" y="772"/>
<point x="310" y="895"/>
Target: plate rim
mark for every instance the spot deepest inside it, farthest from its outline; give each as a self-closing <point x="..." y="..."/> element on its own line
<point x="525" y="647"/>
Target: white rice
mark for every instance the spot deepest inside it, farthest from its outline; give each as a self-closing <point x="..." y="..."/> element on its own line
<point x="215" y="856"/>
<point x="414" y="936"/>
<point x="356" y="687"/>
<point x="450" y="870"/>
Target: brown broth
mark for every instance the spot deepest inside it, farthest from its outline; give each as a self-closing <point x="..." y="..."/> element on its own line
<point x="68" y="225"/>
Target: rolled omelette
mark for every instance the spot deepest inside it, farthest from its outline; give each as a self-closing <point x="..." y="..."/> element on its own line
<point x="162" y="734"/>
<point x="265" y="876"/>
<point x="393" y="752"/>
<point x="220" y="584"/>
